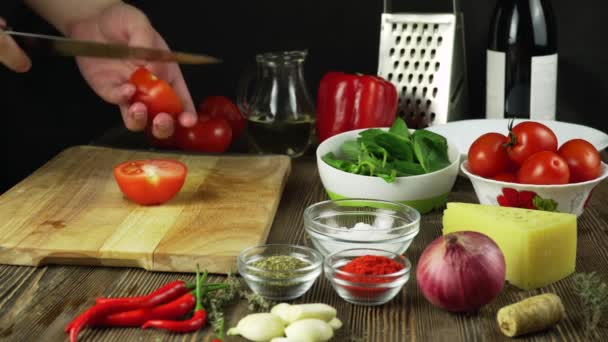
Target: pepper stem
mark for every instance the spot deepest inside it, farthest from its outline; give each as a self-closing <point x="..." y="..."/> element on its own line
<point x="199" y="302"/>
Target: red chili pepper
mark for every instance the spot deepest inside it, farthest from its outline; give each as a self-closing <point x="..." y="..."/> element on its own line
<point x="135" y="318"/>
<point x="216" y="340"/>
<point x="97" y="311"/>
<point x="161" y="295"/>
<point x="197" y="321"/>
<point x="346" y="102"/>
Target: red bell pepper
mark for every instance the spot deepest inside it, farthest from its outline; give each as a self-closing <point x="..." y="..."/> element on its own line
<point x="347" y="101"/>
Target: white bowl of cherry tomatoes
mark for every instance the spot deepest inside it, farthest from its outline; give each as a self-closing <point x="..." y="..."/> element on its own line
<point x="526" y="168"/>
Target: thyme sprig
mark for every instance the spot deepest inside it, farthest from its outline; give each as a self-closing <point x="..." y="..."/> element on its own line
<point x="216" y="302"/>
<point x="593" y="293"/>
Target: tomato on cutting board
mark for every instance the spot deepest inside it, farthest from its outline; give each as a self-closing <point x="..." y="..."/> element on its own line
<point x="156" y="94"/>
<point x="150" y="181"/>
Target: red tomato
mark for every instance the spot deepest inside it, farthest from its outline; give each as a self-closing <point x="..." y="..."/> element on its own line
<point x="506" y="177"/>
<point x="152" y="181"/>
<point x="208" y="135"/>
<point x="529" y="137"/>
<point x="582" y="158"/>
<point x="487" y="155"/>
<point x="156" y="94"/>
<point x="222" y="106"/>
<point x="544" y="167"/>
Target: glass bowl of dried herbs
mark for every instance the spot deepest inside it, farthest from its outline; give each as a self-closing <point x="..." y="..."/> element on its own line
<point x="280" y="271"/>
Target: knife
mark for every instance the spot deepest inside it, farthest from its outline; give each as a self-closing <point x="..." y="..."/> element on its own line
<point x="54" y="45"/>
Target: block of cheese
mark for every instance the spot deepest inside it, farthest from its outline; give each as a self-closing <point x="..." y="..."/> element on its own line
<point x="539" y="246"/>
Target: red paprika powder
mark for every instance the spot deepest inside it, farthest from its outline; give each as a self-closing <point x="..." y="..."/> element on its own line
<point x="363" y="269"/>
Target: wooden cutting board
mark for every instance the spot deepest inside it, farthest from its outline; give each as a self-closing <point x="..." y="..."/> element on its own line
<point x="71" y="211"/>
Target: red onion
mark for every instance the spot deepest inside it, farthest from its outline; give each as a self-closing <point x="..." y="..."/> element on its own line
<point x="461" y="271"/>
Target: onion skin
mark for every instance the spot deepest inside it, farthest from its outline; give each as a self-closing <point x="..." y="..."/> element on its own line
<point x="461" y="271"/>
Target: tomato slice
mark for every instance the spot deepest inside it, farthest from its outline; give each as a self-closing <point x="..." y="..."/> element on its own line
<point x="156" y="94"/>
<point x="150" y="181"/>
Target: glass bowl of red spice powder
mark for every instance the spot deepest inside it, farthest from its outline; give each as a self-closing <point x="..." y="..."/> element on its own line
<point x="367" y="276"/>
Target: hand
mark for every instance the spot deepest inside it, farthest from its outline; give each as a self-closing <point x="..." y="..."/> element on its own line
<point x="10" y="54"/>
<point x="109" y="78"/>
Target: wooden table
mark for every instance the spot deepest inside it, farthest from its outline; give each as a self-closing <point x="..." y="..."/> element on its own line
<point x="36" y="303"/>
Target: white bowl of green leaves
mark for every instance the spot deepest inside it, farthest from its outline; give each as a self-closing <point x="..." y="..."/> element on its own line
<point x="414" y="167"/>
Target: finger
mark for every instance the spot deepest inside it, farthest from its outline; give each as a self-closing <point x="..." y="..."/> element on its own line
<point x="11" y="54"/>
<point x="134" y="116"/>
<point x="119" y="95"/>
<point x="163" y="126"/>
<point x="2" y="23"/>
<point x="187" y="119"/>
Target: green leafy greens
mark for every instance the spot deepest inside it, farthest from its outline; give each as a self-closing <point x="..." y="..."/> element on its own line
<point x="393" y="153"/>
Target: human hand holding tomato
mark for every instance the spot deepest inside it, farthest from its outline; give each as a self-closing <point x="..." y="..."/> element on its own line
<point x="110" y="78"/>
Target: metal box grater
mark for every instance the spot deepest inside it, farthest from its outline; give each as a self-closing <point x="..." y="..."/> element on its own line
<point x="423" y="56"/>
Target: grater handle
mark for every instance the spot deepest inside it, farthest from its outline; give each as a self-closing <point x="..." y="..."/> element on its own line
<point x="388" y="8"/>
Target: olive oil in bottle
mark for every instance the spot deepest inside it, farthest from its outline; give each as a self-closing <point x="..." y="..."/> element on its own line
<point x="291" y="137"/>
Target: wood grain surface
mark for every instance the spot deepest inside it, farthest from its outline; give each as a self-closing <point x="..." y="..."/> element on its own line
<point x="36" y="303"/>
<point x="71" y="211"/>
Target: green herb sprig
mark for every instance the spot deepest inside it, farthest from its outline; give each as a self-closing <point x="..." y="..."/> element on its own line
<point x="393" y="153"/>
<point x="593" y="293"/>
<point x="215" y="302"/>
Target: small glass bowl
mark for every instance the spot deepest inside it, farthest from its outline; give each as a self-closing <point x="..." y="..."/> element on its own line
<point x="333" y="225"/>
<point x="365" y="289"/>
<point x="273" y="286"/>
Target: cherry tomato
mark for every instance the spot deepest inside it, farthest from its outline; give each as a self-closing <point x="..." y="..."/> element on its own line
<point x="207" y="135"/>
<point x="544" y="167"/>
<point x="582" y="158"/>
<point x="156" y="94"/>
<point x="506" y="177"/>
<point x="222" y="106"/>
<point x="151" y="181"/>
<point x="487" y="156"/>
<point x="527" y="138"/>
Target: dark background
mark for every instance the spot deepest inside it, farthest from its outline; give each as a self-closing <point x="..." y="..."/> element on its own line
<point x="51" y="107"/>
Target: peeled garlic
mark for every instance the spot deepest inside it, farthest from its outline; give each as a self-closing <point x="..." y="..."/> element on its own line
<point x="335" y="323"/>
<point x="281" y="310"/>
<point x="320" y="311"/>
<point x="259" y="327"/>
<point x="309" y="330"/>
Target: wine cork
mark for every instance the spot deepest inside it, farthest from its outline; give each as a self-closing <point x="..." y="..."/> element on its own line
<point x="531" y="315"/>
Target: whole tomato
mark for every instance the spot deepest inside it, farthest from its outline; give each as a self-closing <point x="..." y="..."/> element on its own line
<point x="582" y="158"/>
<point x="506" y="177"/>
<point x="487" y="155"/>
<point x="156" y="94"/>
<point x="221" y="106"/>
<point x="544" y="167"/>
<point x="527" y="138"/>
<point x="207" y="135"/>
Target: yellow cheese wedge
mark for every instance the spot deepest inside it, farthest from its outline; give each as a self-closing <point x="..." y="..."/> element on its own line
<point x="539" y="246"/>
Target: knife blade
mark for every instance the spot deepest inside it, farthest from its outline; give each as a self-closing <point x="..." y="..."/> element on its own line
<point x="54" y="45"/>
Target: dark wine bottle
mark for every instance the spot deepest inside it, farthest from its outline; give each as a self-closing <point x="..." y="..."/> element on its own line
<point x="521" y="75"/>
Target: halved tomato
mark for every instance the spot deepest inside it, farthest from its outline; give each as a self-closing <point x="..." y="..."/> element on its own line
<point x="150" y="181"/>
